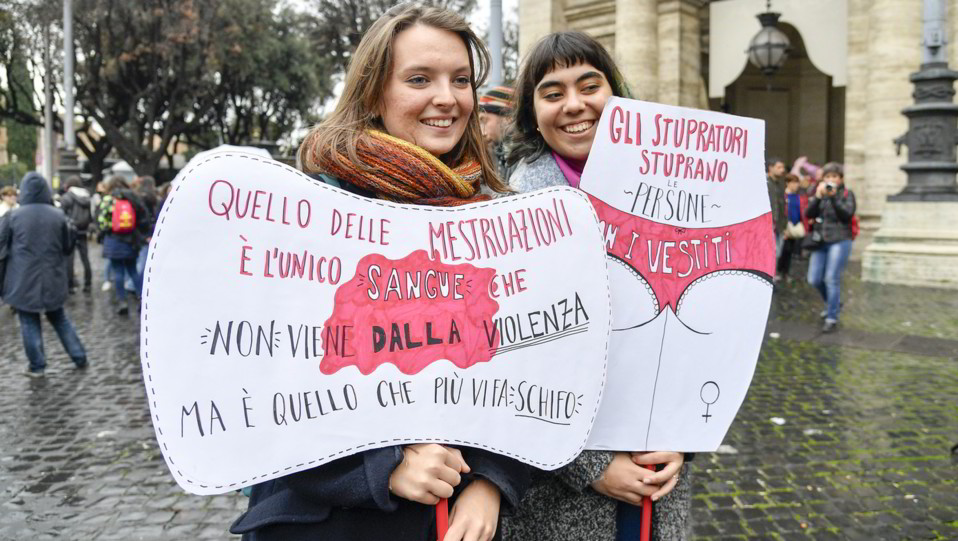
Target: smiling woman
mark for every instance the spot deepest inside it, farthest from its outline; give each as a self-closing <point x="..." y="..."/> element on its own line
<point x="428" y="99"/>
<point x="406" y="129"/>
<point x="561" y="91"/>
<point x="568" y="103"/>
<point x="563" y="87"/>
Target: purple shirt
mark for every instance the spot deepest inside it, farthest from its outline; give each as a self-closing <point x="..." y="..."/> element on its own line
<point x="571" y="169"/>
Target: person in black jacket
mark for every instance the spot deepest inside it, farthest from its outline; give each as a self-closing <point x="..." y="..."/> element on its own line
<point x="76" y="204"/>
<point x="832" y="211"/>
<point x="34" y="241"/>
<point x="775" y="179"/>
<point x="145" y="188"/>
<point x="405" y="129"/>
<point x="122" y="247"/>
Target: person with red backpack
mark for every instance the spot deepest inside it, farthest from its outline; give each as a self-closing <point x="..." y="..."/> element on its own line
<point x="125" y="225"/>
<point x="834" y="227"/>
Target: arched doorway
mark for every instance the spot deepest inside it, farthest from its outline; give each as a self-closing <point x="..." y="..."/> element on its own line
<point x="804" y="114"/>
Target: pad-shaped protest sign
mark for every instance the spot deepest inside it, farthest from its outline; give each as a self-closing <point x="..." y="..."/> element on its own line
<point x="683" y="200"/>
<point x="287" y="323"/>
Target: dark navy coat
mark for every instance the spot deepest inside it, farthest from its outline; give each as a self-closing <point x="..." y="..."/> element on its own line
<point x="349" y="500"/>
<point x="34" y="242"/>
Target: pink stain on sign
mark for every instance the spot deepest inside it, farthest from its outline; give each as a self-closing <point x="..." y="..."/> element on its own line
<point x="410" y="312"/>
<point x="670" y="258"/>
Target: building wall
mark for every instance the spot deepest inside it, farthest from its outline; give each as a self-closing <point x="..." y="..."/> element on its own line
<point x="883" y="37"/>
<point x="799" y="97"/>
<point x="657" y="45"/>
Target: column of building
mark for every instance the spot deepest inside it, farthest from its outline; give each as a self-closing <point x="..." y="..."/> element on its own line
<point x="917" y="241"/>
<point x="637" y="46"/>
<point x="680" y="53"/>
<point x="657" y="43"/>
<point x="882" y="49"/>
<point x="536" y="19"/>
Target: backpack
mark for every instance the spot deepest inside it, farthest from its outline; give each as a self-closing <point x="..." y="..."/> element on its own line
<point x="854" y="223"/>
<point x="124" y="217"/>
<point x="80" y="213"/>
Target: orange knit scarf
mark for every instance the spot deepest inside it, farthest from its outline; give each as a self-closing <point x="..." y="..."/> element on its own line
<point x="406" y="173"/>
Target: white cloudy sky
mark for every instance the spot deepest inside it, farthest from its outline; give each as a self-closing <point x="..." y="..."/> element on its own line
<point x="480" y="19"/>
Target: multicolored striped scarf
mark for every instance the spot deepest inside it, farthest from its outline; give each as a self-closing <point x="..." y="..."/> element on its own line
<point x="406" y="173"/>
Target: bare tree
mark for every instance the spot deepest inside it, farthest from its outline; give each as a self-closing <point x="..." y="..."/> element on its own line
<point x="340" y="24"/>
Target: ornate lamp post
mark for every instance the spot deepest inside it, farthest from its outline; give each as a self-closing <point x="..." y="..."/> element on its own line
<point x="917" y="243"/>
<point x="768" y="50"/>
<point x="933" y="119"/>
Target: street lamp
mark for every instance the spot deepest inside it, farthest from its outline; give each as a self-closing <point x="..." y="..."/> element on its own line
<point x="768" y="50"/>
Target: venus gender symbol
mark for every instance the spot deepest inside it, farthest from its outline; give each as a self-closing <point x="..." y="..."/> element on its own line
<point x="683" y="201"/>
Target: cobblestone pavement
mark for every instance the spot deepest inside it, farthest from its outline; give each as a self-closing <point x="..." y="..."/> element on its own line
<point x="871" y="307"/>
<point x="836" y="440"/>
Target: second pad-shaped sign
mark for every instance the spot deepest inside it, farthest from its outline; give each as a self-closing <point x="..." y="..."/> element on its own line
<point x="683" y="200"/>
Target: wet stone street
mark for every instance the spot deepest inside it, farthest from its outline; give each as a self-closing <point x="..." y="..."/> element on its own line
<point x="842" y="436"/>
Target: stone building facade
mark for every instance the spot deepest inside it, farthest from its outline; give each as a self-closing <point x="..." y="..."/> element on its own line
<point x="838" y="98"/>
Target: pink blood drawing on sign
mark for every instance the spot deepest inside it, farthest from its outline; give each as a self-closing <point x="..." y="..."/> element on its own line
<point x="670" y="258"/>
<point x="411" y="313"/>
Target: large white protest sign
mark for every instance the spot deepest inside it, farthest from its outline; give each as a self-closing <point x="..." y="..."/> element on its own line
<point x="288" y="323"/>
<point x="683" y="200"/>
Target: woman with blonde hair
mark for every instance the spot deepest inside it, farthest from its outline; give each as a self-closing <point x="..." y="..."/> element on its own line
<point x="406" y="129"/>
<point x="393" y="112"/>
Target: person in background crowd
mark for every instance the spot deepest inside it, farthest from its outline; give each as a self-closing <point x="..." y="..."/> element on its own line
<point x="163" y="192"/>
<point x="97" y="202"/>
<point x="76" y="204"/>
<point x="97" y="196"/>
<point x="795" y="203"/>
<point x="563" y="86"/>
<point x="145" y="187"/>
<point x="495" y="108"/>
<point x="832" y="209"/>
<point x="405" y="129"/>
<point x="775" y="177"/>
<point x="814" y="181"/>
<point x="9" y="199"/>
<point x="121" y="242"/>
<point x="34" y="240"/>
<point x="807" y="172"/>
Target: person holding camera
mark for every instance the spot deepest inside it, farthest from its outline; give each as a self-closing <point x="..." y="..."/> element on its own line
<point x="832" y="212"/>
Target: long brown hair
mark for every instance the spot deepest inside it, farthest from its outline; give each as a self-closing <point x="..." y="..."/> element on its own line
<point x="555" y="51"/>
<point x="365" y="84"/>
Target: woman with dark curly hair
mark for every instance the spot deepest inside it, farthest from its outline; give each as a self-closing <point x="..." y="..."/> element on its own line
<point x="562" y="89"/>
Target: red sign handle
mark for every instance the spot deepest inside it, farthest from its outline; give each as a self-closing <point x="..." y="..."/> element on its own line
<point x="646" y="532"/>
<point x="442" y="518"/>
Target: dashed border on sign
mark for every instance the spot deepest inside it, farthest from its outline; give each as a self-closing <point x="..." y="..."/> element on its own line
<point x="156" y="246"/>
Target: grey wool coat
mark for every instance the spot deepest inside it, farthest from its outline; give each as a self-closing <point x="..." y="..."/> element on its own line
<point x="561" y="505"/>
